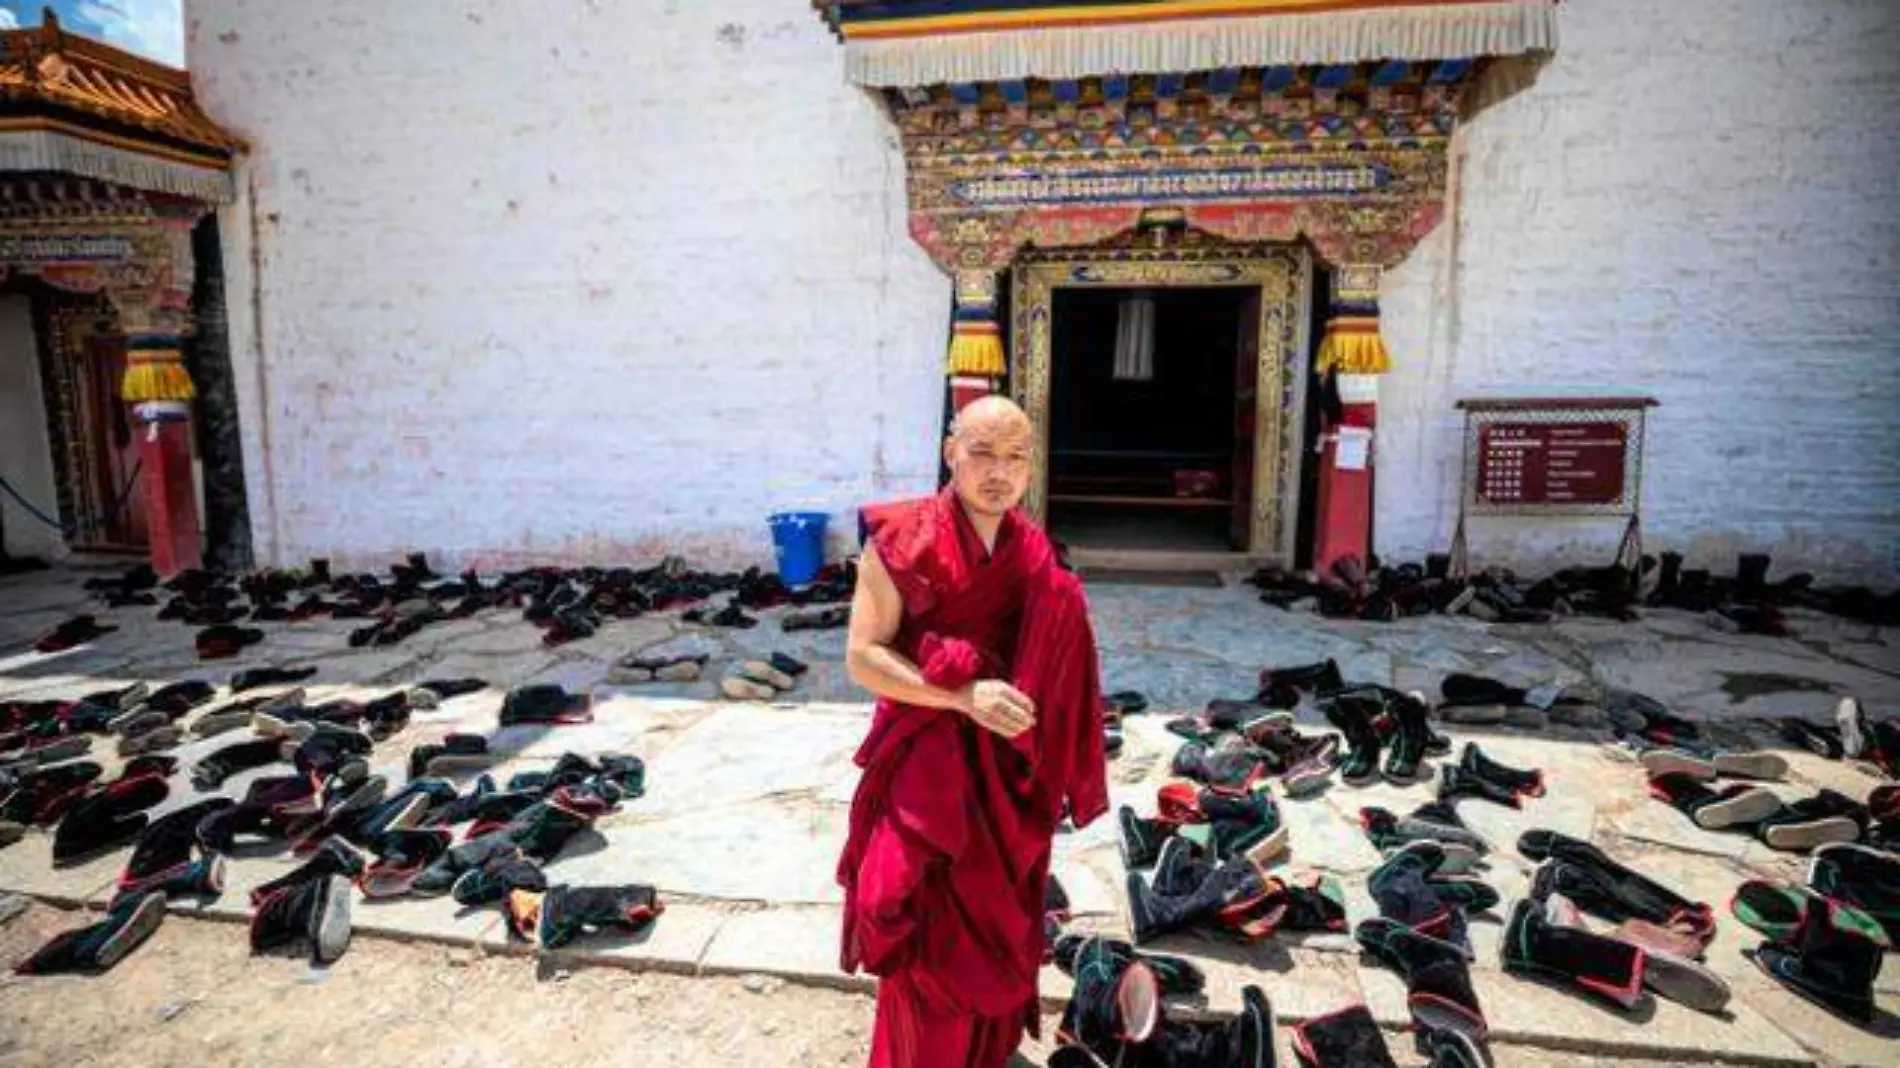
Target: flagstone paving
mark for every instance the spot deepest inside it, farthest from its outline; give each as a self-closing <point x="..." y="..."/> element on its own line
<point x="746" y="805"/>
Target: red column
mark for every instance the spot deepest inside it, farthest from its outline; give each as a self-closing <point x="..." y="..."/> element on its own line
<point x="160" y="392"/>
<point x="1354" y="354"/>
<point x="1344" y="514"/>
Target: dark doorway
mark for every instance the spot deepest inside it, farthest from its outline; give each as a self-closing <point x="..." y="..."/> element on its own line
<point x="1150" y="441"/>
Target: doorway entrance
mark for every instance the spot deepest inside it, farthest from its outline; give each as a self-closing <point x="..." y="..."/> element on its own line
<point x="1182" y="449"/>
<point x="1148" y="449"/>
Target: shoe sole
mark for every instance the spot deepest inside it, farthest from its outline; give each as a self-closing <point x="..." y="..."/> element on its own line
<point x="410" y="814"/>
<point x="743" y="689"/>
<point x="1303" y="782"/>
<point x="1763" y="766"/>
<point x="1798" y="837"/>
<point x="760" y="671"/>
<point x="1671" y="762"/>
<point x="1684" y="982"/>
<point x="288" y="699"/>
<point x="150" y="741"/>
<point x="134" y="695"/>
<point x="1746" y="808"/>
<point x="1848" y="718"/>
<point x="213" y="723"/>
<point x="214" y="875"/>
<point x="1269" y="849"/>
<point x="146" y="917"/>
<point x="141" y="720"/>
<point x="686" y="672"/>
<point x="330" y="927"/>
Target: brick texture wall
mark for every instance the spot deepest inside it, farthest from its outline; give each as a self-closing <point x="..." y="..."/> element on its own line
<point x="1696" y="202"/>
<point x="582" y="280"/>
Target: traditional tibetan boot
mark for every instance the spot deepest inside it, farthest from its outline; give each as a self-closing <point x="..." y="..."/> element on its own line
<point x="163" y="861"/>
<point x="498" y="877"/>
<point x="1245" y="1040"/>
<point x="314" y="913"/>
<point x="1232" y="887"/>
<point x="1603" y="966"/>
<point x="1117" y="999"/>
<point x="1668" y="971"/>
<point x="42" y="795"/>
<point x="1437" y="976"/>
<point x="1178" y="977"/>
<point x="209" y="773"/>
<point x="333" y="857"/>
<point x="1229" y="763"/>
<point x="1409" y="741"/>
<point x="1455" y="782"/>
<point x="1522" y="783"/>
<point x="1140" y="838"/>
<point x="1821" y="741"/>
<point x="1625" y="893"/>
<point x="96" y="947"/>
<point x="1280" y="687"/>
<point x="1867" y="879"/>
<point x="1348" y="1038"/>
<point x="403" y="855"/>
<point x="1832" y="958"/>
<point x="107" y="818"/>
<point x="1352" y="714"/>
<point x="1828" y="816"/>
<point x="569" y="911"/>
<point x="1714" y="810"/>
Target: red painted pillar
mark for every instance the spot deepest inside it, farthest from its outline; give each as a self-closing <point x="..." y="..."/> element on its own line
<point x="160" y="392"/>
<point x="1354" y="354"/>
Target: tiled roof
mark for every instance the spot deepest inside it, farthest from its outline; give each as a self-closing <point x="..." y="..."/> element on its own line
<point x="65" y="81"/>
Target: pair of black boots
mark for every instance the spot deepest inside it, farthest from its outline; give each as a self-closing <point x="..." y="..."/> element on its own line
<point x="113" y="815"/>
<point x="1115" y="1016"/>
<point x="1191" y="888"/>
<point x="1360" y="714"/>
<point x="308" y="910"/>
<point x="1797" y="826"/>
<point x="1826" y="940"/>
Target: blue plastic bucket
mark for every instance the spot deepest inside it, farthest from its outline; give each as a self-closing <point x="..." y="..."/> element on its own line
<point x="799" y="540"/>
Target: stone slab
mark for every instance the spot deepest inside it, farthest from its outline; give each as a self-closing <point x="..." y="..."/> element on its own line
<point x="748" y="751"/>
<point x="796" y="943"/>
<point x="1652" y="821"/>
<point x="1821" y="1032"/>
<point x="1531" y="1012"/>
<point x="675" y="942"/>
<point x="26" y="867"/>
<point x="756" y="852"/>
<point x="1320" y="836"/>
<point x="435" y="919"/>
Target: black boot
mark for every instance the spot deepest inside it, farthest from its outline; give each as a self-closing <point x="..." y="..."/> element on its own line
<point x="1629" y="893"/>
<point x="1828" y="816"/>
<point x="1280" y="687"/>
<point x="313" y="913"/>
<point x="1668" y="581"/>
<point x="42" y="795"/>
<point x="209" y="774"/>
<point x="1455" y="782"/>
<point x="1117" y="998"/>
<point x="1522" y="783"/>
<point x="1832" y="958"/>
<point x="331" y="858"/>
<point x="497" y="877"/>
<point x="98" y="946"/>
<point x="568" y="911"/>
<point x="1867" y="879"/>
<point x="162" y="860"/>
<point x="1349" y="1038"/>
<point x="1713" y="810"/>
<point x="402" y="856"/>
<point x="1236" y="886"/>
<point x="1601" y="965"/>
<point x="1751" y="577"/>
<point x="1462" y="689"/>
<point x="1140" y="838"/>
<point x="463" y="747"/>
<point x="1409" y="741"/>
<point x="1352" y="714"/>
<point x="106" y="819"/>
<point x="1245" y="1040"/>
<point x="1437" y="976"/>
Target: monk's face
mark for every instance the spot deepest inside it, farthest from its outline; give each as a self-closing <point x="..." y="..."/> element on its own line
<point x="988" y="456"/>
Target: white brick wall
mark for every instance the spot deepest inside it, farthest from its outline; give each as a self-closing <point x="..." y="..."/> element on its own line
<point x="577" y="280"/>
<point x="570" y="281"/>
<point x="1696" y="202"/>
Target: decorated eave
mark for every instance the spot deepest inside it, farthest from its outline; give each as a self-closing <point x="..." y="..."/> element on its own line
<point x="72" y="105"/>
<point x="894" y="43"/>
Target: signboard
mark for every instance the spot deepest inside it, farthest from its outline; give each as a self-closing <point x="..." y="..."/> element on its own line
<point x="1554" y="463"/>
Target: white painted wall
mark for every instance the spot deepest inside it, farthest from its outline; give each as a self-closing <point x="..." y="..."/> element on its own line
<point x="26" y="455"/>
<point x="1696" y="202"/>
<point x="580" y="280"/>
<point x="573" y="281"/>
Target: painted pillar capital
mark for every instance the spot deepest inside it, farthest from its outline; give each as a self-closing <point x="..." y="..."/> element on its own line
<point x="1351" y="345"/>
<point x="976" y="339"/>
<point x="154" y="354"/>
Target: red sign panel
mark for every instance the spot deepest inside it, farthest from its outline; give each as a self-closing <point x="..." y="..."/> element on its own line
<point x="1551" y="463"/>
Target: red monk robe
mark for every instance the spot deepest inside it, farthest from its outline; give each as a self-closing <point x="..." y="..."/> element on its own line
<point x="951" y="826"/>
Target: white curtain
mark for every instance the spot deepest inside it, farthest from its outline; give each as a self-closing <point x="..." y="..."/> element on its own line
<point x="1135" y="340"/>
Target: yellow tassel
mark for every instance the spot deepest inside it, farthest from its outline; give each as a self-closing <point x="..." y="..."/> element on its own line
<point x="978" y="353"/>
<point x="156" y="380"/>
<point x="1354" y="354"/>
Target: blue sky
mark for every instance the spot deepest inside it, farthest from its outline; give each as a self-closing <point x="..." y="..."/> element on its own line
<point x="151" y="28"/>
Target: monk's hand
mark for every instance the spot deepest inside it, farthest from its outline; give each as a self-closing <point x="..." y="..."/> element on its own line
<point x="998" y="706"/>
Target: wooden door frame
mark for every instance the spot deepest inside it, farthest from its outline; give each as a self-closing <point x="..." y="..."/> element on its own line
<point x="1282" y="273"/>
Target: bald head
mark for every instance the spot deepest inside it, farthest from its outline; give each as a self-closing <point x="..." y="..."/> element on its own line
<point x="988" y="455"/>
<point x="989" y="417"/>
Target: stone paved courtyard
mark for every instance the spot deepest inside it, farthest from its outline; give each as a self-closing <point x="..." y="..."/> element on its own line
<point x="745" y="810"/>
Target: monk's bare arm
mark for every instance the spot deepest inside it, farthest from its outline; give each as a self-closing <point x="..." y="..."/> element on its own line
<point x="877" y="610"/>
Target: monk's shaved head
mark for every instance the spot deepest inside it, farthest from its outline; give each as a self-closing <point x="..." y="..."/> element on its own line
<point x="990" y="416"/>
<point x="988" y="455"/>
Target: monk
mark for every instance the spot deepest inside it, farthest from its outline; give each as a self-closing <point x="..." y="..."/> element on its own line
<point x="988" y="734"/>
